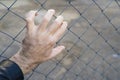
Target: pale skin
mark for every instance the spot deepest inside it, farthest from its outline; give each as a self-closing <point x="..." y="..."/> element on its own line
<point x="38" y="44"/>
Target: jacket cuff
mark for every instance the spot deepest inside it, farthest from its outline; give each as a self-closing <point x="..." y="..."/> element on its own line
<point x="11" y="70"/>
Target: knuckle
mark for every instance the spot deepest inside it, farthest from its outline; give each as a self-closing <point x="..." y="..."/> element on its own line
<point x="59" y="20"/>
<point x="57" y="23"/>
<point x="51" y="40"/>
<point x="32" y="11"/>
<point x="29" y="20"/>
<point x="45" y="20"/>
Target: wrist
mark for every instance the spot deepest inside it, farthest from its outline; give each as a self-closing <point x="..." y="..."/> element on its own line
<point x="25" y="64"/>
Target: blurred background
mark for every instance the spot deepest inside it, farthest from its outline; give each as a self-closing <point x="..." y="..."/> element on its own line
<point x="92" y="38"/>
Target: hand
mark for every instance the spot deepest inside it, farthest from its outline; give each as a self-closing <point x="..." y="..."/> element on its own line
<point x="39" y="42"/>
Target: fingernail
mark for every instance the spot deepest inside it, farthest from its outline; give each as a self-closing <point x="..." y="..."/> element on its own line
<point x="49" y="14"/>
<point x="65" y="23"/>
<point x="59" y="19"/>
<point x="30" y="13"/>
<point x="63" y="47"/>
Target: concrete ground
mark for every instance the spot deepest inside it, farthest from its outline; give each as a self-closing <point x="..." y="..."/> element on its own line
<point x="92" y="40"/>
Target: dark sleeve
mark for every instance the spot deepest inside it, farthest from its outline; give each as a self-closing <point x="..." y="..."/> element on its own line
<point x="9" y="70"/>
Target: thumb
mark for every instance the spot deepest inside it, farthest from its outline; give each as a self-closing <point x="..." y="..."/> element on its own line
<point x="56" y="51"/>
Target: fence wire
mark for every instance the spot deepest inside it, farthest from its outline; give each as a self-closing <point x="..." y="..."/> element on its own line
<point x="92" y="38"/>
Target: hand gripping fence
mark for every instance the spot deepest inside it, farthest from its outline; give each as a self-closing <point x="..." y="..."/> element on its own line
<point x="92" y="38"/>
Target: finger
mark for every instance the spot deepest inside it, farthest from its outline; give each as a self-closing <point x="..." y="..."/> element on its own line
<point x="46" y="19"/>
<point x="60" y="31"/>
<point x="56" y="51"/>
<point x="56" y="25"/>
<point x="30" y="19"/>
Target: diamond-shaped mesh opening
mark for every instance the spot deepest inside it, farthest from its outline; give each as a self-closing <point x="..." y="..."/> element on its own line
<point x="4" y="42"/>
<point x="91" y="13"/>
<point x="85" y="4"/>
<point x="50" y="4"/>
<point x="10" y="51"/>
<point x="3" y="11"/>
<point x="7" y="26"/>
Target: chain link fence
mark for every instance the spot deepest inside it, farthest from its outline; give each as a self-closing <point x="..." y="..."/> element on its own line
<point x="92" y="38"/>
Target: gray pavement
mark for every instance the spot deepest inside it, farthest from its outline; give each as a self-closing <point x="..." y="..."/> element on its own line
<point x="92" y="40"/>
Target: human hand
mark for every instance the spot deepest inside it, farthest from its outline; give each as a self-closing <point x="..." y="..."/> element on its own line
<point x="38" y="44"/>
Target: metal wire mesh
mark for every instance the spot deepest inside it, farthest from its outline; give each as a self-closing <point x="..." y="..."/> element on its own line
<point x="92" y="39"/>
